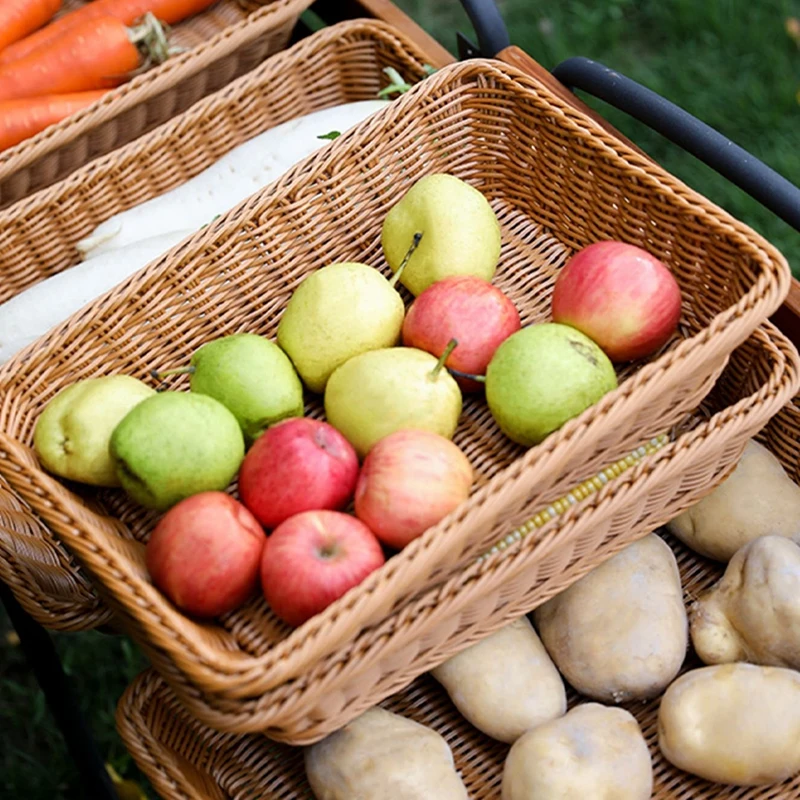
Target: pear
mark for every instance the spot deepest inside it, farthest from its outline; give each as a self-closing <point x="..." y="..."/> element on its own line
<point x="542" y="376"/>
<point x="72" y="434"/>
<point x="174" y="445"/>
<point x="395" y="388"/>
<point x="251" y="376"/>
<point x="461" y="232"/>
<point x="338" y="312"/>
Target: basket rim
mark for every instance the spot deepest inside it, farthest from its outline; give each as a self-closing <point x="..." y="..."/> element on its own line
<point x="720" y="336"/>
<point x="145" y="86"/>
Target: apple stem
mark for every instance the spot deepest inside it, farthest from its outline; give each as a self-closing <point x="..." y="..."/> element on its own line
<point x="457" y="373"/>
<point x="414" y="245"/>
<point x="451" y="345"/>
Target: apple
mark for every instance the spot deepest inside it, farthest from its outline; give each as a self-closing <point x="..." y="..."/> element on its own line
<point x="469" y="309"/>
<point x="204" y="554"/>
<point x="621" y="297"/>
<point x="410" y="480"/>
<point x="299" y="464"/>
<point x="314" y="558"/>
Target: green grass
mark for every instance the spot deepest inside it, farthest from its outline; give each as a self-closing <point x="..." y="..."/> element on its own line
<point x="729" y="62"/>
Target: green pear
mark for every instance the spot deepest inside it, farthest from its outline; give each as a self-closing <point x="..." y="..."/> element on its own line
<point x="383" y="391"/>
<point x="542" y="376"/>
<point x="251" y="376"/>
<point x="72" y="434"/>
<point x="336" y="313"/>
<point x="174" y="445"/>
<point x="461" y="232"/>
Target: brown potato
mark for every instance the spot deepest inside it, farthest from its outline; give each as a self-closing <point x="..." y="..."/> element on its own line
<point x="505" y="684"/>
<point x="620" y="633"/>
<point x="382" y="755"/>
<point x="753" y="613"/>
<point x="592" y="752"/>
<point x="733" y="723"/>
<point x="757" y="499"/>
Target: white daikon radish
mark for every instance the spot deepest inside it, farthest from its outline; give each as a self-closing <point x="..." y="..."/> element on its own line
<point x="238" y="174"/>
<point x="32" y="313"/>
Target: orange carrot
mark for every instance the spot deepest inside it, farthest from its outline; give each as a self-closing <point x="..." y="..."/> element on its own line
<point x="97" y="54"/>
<point x="126" y="11"/>
<point x="18" y="18"/>
<point x="21" y="119"/>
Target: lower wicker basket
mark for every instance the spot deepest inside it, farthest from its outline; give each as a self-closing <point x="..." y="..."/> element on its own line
<point x="227" y="40"/>
<point x="186" y="760"/>
<point x="340" y="64"/>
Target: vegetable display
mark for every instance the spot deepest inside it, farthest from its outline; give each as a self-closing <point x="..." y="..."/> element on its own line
<point x="95" y="54"/>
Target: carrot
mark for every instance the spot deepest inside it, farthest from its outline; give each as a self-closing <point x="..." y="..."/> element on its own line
<point x="18" y="18"/>
<point x="97" y="54"/>
<point x="126" y="11"/>
<point x="21" y="119"/>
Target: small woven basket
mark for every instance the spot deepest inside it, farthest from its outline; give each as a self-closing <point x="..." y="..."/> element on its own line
<point x="339" y="64"/>
<point x="557" y="182"/>
<point x="223" y="42"/>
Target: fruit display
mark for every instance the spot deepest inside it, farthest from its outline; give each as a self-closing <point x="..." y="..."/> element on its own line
<point x="334" y="498"/>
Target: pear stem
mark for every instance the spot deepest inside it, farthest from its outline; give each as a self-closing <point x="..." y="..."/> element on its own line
<point x="451" y="345"/>
<point x="457" y="373"/>
<point x="154" y="373"/>
<point x="414" y="245"/>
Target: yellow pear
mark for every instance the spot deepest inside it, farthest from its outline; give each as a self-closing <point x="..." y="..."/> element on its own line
<point x="395" y="388"/>
<point x="461" y="232"/>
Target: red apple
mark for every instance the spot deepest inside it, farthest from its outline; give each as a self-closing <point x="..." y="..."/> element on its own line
<point x="297" y="465"/>
<point x="467" y="309"/>
<point x="204" y="554"/>
<point x="410" y="480"/>
<point x="620" y="296"/>
<point x="313" y="559"/>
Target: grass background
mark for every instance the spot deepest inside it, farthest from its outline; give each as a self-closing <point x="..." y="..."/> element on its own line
<point x="729" y="62"/>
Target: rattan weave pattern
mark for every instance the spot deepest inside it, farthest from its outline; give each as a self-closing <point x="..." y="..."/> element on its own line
<point x="557" y="181"/>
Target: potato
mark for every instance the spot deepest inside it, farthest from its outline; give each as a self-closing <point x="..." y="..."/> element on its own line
<point x="757" y="499"/>
<point x="592" y="752"/>
<point x="753" y="613"/>
<point x="382" y="755"/>
<point x="620" y="633"/>
<point x="733" y="723"/>
<point x="506" y="683"/>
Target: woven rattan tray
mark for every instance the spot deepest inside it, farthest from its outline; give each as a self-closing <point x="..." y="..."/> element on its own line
<point x="557" y="181"/>
<point x="225" y="41"/>
<point x="185" y="760"/>
<point x="340" y="64"/>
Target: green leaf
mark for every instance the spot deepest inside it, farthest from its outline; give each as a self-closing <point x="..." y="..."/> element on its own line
<point x="331" y="135"/>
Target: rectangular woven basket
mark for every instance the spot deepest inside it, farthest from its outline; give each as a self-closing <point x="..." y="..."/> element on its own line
<point x="187" y="760"/>
<point x="557" y="182"/>
<point x="340" y="64"/>
<point x="223" y="42"/>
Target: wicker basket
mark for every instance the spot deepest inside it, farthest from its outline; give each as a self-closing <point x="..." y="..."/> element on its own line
<point x="557" y="182"/>
<point x="340" y="64"/>
<point x="186" y="760"/>
<point x="222" y="43"/>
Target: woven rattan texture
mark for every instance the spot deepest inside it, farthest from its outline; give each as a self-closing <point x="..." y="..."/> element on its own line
<point x="186" y="760"/>
<point x="557" y="182"/>
<point x="338" y="65"/>
<point x="223" y="42"/>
